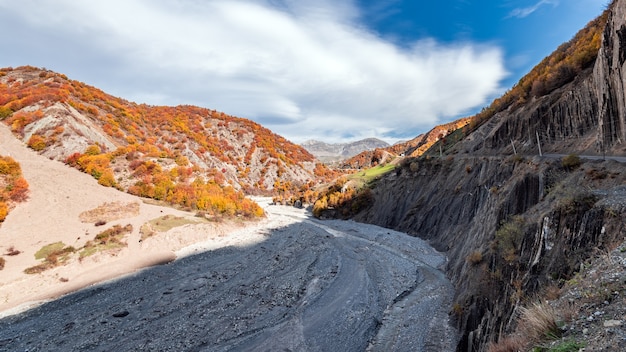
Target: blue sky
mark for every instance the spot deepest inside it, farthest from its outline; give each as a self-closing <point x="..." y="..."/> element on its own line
<point x="527" y="31"/>
<point x="335" y="71"/>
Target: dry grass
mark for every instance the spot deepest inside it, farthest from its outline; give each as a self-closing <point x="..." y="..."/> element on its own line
<point x="106" y="240"/>
<point x="110" y="212"/>
<point x="508" y="344"/>
<point x="552" y="292"/>
<point x="538" y="322"/>
<point x="166" y="223"/>
<point x="475" y="258"/>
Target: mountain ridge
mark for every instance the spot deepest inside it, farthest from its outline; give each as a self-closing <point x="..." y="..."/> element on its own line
<point x="328" y="152"/>
<point x="151" y="151"/>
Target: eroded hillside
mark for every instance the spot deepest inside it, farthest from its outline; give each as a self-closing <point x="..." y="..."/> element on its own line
<point x="187" y="155"/>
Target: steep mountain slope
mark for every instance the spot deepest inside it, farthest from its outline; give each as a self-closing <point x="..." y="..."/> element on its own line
<point x="555" y="107"/>
<point x="516" y="225"/>
<point x="337" y="151"/>
<point x="169" y="153"/>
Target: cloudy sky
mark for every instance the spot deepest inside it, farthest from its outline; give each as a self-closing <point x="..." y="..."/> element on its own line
<point x="332" y="70"/>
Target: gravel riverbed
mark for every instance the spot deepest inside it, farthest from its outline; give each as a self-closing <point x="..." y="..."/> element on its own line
<point x="302" y="285"/>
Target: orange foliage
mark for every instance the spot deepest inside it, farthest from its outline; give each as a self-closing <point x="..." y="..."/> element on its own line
<point x="552" y="72"/>
<point x="37" y="142"/>
<point x="13" y="187"/>
<point x="4" y="211"/>
<point x="157" y="132"/>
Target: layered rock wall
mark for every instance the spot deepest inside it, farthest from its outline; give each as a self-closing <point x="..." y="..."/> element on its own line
<point x="511" y="226"/>
<point x="505" y="225"/>
<point x="610" y="79"/>
<point x="566" y="118"/>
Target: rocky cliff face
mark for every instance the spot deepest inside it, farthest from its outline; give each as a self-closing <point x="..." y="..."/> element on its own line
<point x="505" y="225"/>
<point x="565" y="120"/>
<point x="609" y="78"/>
<point x="511" y="225"/>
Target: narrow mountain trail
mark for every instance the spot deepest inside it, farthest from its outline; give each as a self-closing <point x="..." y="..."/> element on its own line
<point x="306" y="285"/>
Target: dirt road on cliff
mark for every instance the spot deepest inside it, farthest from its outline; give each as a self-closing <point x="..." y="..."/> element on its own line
<point x="303" y="285"/>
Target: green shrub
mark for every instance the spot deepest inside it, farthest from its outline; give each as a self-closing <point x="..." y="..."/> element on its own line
<point x="571" y="162"/>
<point x="509" y="238"/>
<point x="564" y="346"/>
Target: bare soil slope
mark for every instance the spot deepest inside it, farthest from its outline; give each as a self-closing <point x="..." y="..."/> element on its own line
<point x="58" y="196"/>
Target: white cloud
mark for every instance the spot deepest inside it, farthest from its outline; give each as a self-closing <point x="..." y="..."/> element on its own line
<point x="527" y="11"/>
<point x="305" y="69"/>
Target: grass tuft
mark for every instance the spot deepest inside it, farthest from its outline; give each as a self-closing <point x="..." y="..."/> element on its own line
<point x="539" y="322"/>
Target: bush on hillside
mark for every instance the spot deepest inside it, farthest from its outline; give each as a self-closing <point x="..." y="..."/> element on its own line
<point x="571" y="162"/>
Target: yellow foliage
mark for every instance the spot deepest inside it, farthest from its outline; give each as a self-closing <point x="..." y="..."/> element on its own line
<point x="107" y="179"/>
<point x="93" y="150"/>
<point x="4" y="211"/>
<point x="37" y="142"/>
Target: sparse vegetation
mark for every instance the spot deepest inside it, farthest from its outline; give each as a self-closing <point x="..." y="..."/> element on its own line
<point x="108" y="239"/>
<point x="110" y="211"/>
<point x="509" y="237"/>
<point x="475" y="258"/>
<point x="112" y="235"/>
<point x="57" y="253"/>
<point x="166" y="223"/>
<point x="577" y="201"/>
<point x="53" y="254"/>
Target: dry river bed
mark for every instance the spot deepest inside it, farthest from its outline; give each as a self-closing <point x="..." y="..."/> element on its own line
<point x="306" y="285"/>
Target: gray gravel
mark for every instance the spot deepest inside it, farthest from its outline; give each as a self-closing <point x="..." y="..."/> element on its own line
<point x="310" y="286"/>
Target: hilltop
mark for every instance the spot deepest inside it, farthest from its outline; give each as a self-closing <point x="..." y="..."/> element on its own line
<point x="157" y="152"/>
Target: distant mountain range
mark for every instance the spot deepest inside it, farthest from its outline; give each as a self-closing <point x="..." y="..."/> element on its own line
<point x="328" y="152"/>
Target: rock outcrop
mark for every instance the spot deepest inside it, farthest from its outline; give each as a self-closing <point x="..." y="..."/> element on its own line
<point x="610" y="79"/>
<point x="566" y="119"/>
<point x="513" y="225"/>
<point x="505" y="225"/>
